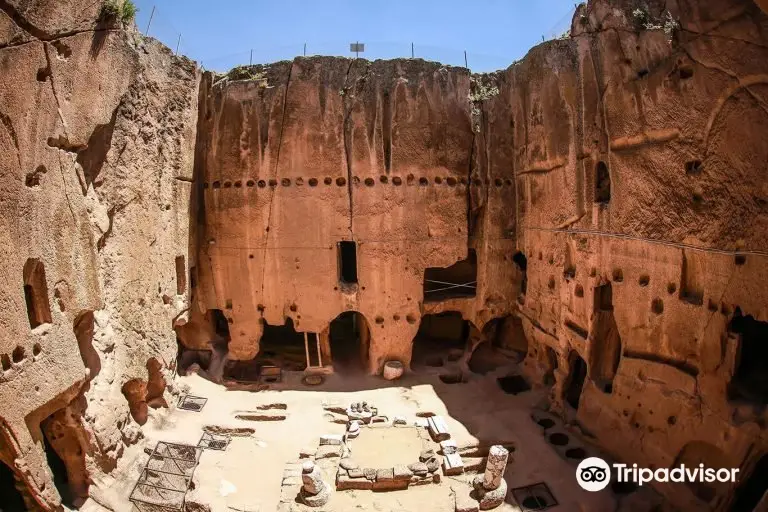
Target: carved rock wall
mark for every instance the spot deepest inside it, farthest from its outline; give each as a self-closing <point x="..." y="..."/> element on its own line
<point x="97" y="133"/>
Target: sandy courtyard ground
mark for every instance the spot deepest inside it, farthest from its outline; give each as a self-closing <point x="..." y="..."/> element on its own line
<point x="247" y="476"/>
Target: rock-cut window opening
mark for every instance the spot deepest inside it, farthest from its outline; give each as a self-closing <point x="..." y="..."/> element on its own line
<point x="347" y="262"/>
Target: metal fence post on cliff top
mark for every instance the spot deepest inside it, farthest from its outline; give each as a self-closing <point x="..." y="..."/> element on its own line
<point x="150" y="21"/>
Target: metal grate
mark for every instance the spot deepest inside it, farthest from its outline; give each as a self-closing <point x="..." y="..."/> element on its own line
<point x="166" y="477"/>
<point x="192" y="403"/>
<point x="534" y="497"/>
<point x="213" y="442"/>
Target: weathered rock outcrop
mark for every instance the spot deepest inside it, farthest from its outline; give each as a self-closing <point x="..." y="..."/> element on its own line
<point x="97" y="133"/>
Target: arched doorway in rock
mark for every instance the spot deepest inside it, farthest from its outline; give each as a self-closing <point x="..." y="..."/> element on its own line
<point x="280" y="346"/>
<point x="441" y="339"/>
<point x="751" y="491"/>
<point x="12" y="499"/>
<point x="575" y="381"/>
<point x="349" y="339"/>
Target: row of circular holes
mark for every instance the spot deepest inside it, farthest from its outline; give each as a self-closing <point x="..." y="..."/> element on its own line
<point x="17" y="356"/>
<point x="657" y="305"/>
<point x="369" y="182"/>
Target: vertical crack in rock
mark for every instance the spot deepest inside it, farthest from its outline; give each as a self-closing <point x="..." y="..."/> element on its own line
<point x="53" y="89"/>
<point x="277" y="169"/>
<point x="470" y="234"/>
<point x="347" y="148"/>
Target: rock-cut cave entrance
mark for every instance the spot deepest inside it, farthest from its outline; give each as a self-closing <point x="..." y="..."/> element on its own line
<point x="349" y="340"/>
<point x="59" y="471"/>
<point x="575" y="381"/>
<point x="457" y="281"/>
<point x="280" y="346"/>
<point x="441" y="338"/>
<point x="12" y="500"/>
<point x="751" y="491"/>
<point x="750" y="378"/>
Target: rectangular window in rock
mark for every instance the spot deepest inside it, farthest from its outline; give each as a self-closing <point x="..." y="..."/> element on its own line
<point x="36" y="293"/>
<point x="347" y="262"/>
<point x="457" y="281"/>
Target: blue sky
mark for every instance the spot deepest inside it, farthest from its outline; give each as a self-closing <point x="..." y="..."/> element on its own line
<point x="222" y="34"/>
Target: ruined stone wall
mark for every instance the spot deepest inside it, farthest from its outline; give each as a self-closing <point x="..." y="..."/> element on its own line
<point x="96" y="135"/>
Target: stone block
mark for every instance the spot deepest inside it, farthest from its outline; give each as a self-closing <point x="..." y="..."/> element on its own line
<point x="401" y="472"/>
<point x="331" y="439"/>
<point x="329" y="450"/>
<point x="438" y="428"/>
<point x="452" y="464"/>
<point x="385" y="475"/>
<point x="344" y="482"/>
<point x="463" y="499"/>
<point x="419" y="468"/>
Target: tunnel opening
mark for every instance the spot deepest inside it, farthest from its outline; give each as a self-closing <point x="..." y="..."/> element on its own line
<point x="441" y="338"/>
<point x="457" y="281"/>
<point x="280" y="346"/>
<point x="59" y="471"/>
<point x="220" y="323"/>
<point x="349" y="337"/>
<point x="751" y="491"/>
<point x="575" y="381"/>
<point x="36" y="293"/>
<point x="347" y="251"/>
<point x="750" y="378"/>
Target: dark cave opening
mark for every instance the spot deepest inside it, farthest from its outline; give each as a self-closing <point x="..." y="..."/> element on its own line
<point x="347" y="262"/>
<point x="441" y="338"/>
<point x="11" y="497"/>
<point x="457" y="281"/>
<point x="752" y="490"/>
<point x="750" y="377"/>
<point x="59" y="471"/>
<point x="575" y="382"/>
<point x="349" y="336"/>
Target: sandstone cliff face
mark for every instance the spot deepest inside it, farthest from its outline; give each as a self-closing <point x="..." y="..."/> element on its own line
<point x="639" y="278"/>
<point x="322" y="150"/>
<point x="97" y="139"/>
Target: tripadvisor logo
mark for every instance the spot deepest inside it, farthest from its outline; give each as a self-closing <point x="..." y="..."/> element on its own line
<point x="594" y="474"/>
